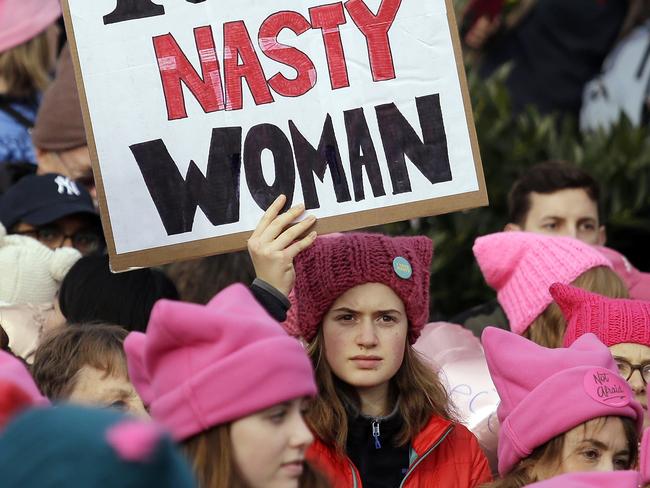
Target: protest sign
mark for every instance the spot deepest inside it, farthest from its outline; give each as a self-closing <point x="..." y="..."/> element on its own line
<point x="200" y="113"/>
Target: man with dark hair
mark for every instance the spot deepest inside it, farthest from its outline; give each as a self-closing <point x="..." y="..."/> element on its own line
<point x="557" y="198"/>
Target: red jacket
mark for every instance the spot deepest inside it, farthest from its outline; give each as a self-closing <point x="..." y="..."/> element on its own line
<point x="443" y="455"/>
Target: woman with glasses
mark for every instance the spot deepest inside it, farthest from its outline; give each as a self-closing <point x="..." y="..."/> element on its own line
<point x="622" y="325"/>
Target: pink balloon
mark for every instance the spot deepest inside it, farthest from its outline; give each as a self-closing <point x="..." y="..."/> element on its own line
<point x="458" y="357"/>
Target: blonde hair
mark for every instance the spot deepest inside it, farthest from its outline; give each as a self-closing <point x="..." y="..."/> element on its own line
<point x="549" y="327"/>
<point x="420" y="392"/>
<point x="25" y="68"/>
<point x="210" y="454"/>
<point x="548" y="457"/>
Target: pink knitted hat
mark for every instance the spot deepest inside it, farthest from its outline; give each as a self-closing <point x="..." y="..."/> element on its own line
<point x="594" y="479"/>
<point x="22" y="20"/>
<point x="333" y="265"/>
<point x="612" y="320"/>
<point x="18" y="390"/>
<point x="201" y="366"/>
<point x="521" y="266"/>
<point x="636" y="281"/>
<point x="565" y="387"/>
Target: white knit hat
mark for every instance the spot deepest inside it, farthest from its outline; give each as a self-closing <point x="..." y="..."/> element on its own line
<point x="31" y="272"/>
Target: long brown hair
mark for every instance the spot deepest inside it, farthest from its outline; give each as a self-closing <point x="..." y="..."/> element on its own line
<point x="549" y="327"/>
<point x="420" y="392"/>
<point x="549" y="456"/>
<point x="25" y="68"/>
<point x="211" y="456"/>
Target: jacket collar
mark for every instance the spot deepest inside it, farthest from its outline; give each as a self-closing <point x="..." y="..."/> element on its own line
<point x="432" y="433"/>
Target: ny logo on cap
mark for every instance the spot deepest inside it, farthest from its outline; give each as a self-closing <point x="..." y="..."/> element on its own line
<point x="65" y="184"/>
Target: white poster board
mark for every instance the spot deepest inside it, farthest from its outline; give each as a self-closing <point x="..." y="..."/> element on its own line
<point x="201" y="112"/>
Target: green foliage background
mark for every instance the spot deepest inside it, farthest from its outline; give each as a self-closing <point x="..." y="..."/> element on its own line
<point x="619" y="160"/>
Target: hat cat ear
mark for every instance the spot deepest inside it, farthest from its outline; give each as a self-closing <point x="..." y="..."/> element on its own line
<point x="62" y="260"/>
<point x="567" y="296"/>
<point x="133" y="440"/>
<point x="424" y="250"/>
<point x="134" y="347"/>
<point x="498" y="255"/>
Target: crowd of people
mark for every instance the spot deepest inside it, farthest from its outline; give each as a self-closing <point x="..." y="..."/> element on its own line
<point x="301" y="362"/>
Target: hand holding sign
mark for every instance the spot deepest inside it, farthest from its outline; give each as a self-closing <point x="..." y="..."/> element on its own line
<point x="273" y="246"/>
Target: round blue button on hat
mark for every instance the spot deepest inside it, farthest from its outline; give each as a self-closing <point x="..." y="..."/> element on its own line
<point x="402" y="267"/>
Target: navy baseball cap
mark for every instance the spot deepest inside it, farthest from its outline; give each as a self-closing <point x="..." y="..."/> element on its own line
<point x="41" y="199"/>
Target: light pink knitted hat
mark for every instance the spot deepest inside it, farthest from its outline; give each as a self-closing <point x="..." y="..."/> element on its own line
<point x="595" y="479"/>
<point x="22" y="20"/>
<point x="521" y="266"/>
<point x="636" y="281"/>
<point x="333" y="265"/>
<point x="564" y="387"/>
<point x="201" y="366"/>
<point x="612" y="320"/>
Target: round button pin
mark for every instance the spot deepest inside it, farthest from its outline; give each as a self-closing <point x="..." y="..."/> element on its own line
<point x="402" y="268"/>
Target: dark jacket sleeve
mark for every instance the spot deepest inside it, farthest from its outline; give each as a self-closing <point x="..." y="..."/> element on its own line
<point x="273" y="300"/>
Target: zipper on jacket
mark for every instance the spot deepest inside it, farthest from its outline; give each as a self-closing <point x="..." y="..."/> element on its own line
<point x="376" y="433"/>
<point x="429" y="451"/>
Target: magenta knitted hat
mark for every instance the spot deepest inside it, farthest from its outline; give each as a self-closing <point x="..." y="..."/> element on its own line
<point x="612" y="320"/>
<point x="199" y="366"/>
<point x="22" y="20"/>
<point x="521" y="266"/>
<point x="333" y="265"/>
<point x="564" y="387"/>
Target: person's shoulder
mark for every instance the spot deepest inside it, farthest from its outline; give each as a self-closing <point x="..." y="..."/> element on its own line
<point x="481" y="316"/>
<point x="441" y="430"/>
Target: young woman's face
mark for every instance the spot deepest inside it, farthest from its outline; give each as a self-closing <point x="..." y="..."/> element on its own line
<point x="269" y="446"/>
<point x="364" y="335"/>
<point x="597" y="445"/>
<point x="634" y="354"/>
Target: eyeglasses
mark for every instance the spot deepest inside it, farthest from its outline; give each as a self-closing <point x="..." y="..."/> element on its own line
<point x="85" y="241"/>
<point x="627" y="369"/>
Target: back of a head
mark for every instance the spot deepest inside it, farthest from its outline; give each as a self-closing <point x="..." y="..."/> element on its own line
<point x="545" y="178"/>
<point x="24" y="49"/>
<point x="91" y="293"/>
<point x="88" y="448"/>
<point x="549" y="327"/>
<point x="199" y="280"/>
<point x="59" y="123"/>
